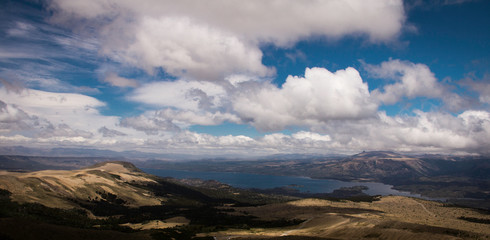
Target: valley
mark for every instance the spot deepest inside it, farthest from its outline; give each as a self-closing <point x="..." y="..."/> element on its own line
<point x="462" y="179"/>
<point x="116" y="200"/>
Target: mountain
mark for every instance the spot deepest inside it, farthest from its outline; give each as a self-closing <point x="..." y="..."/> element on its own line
<point x="109" y="181"/>
<point x="460" y="178"/>
<point x="36" y="163"/>
<point x="380" y="166"/>
<point x="437" y="176"/>
<point x="378" y="155"/>
<point x="89" y="153"/>
<point x="115" y="200"/>
<point x="98" y="153"/>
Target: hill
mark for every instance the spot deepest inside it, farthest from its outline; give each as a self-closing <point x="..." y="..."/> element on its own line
<point x="115" y="196"/>
<point x="391" y="217"/>
<point x="115" y="200"/>
<point x="61" y="188"/>
<point x="435" y="176"/>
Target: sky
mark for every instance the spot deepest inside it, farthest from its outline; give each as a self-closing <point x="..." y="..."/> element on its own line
<point x="251" y="78"/>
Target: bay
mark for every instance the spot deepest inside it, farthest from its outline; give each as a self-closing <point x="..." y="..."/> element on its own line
<point x="303" y="184"/>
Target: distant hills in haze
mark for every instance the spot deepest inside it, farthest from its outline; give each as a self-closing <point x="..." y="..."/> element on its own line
<point x="86" y="152"/>
<point x="437" y="176"/>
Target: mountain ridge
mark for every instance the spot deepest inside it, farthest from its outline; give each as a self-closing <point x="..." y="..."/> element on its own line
<point x="58" y="188"/>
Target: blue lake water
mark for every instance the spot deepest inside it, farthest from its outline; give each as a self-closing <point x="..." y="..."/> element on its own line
<point x="303" y="184"/>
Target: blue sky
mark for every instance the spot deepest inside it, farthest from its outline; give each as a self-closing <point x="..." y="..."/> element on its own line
<point x="246" y="77"/>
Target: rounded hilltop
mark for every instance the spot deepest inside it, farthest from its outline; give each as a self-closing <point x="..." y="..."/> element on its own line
<point x="115" y="166"/>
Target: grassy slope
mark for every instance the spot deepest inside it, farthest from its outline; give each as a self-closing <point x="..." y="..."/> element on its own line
<point x="210" y="208"/>
<point x="388" y="218"/>
<point x="56" y="188"/>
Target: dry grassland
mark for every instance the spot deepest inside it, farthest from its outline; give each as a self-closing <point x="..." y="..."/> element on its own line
<point x="392" y="217"/>
<point x="52" y="187"/>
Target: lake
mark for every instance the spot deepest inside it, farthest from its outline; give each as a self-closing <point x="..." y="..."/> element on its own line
<point x="303" y="184"/>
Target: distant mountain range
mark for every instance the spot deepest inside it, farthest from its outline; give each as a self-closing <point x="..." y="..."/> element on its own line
<point x="437" y="176"/>
<point x="87" y="152"/>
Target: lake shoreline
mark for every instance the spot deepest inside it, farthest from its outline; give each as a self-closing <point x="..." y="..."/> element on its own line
<point x="302" y="184"/>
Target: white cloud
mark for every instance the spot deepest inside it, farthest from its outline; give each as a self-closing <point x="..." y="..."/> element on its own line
<point x="212" y="39"/>
<point x="159" y="131"/>
<point x="186" y="118"/>
<point x="213" y="48"/>
<point x="47" y="119"/>
<point x="481" y="86"/>
<point x="311" y="136"/>
<point x="171" y="120"/>
<point x="151" y="125"/>
<point x="59" y="108"/>
<point x="410" y="80"/>
<point x="181" y="94"/>
<point x="426" y="132"/>
<point x="200" y="143"/>
<point x="317" y="97"/>
<point x="56" y="114"/>
<point x="185" y="48"/>
<point x="14" y="120"/>
<point x="117" y="81"/>
<point x="63" y="131"/>
<point x="281" y="22"/>
<point x="106" y="132"/>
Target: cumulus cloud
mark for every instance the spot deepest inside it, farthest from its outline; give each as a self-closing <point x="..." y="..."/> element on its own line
<point x="200" y="143"/>
<point x="410" y="80"/>
<point x="407" y="80"/>
<point x="299" y="142"/>
<point x="183" y="103"/>
<point x="75" y="109"/>
<point x="186" y="48"/>
<point x="181" y="94"/>
<point x="437" y="132"/>
<point x="40" y="118"/>
<point x="212" y="52"/>
<point x="310" y="136"/>
<point x="172" y="120"/>
<point x="319" y="96"/>
<point x="117" y="81"/>
<point x="14" y="120"/>
<point x="160" y="131"/>
<point x="212" y="39"/>
<point x="41" y="114"/>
